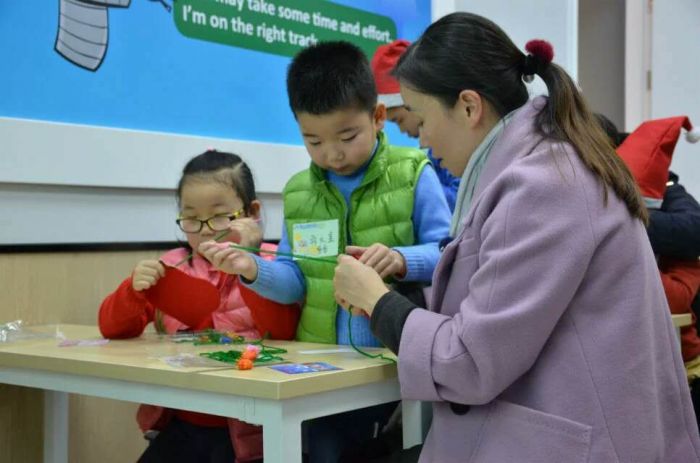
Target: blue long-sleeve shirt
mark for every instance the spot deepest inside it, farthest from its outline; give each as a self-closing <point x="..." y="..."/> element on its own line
<point x="282" y="280"/>
<point x="450" y="183"/>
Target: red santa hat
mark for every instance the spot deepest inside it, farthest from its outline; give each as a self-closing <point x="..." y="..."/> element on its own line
<point x="648" y="150"/>
<point x="383" y="62"/>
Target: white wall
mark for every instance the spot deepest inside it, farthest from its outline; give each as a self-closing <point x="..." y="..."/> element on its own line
<point x="553" y="20"/>
<point x="41" y="214"/>
<point x="676" y="77"/>
<point x="440" y="8"/>
<point x="72" y="154"/>
<point x="61" y="178"/>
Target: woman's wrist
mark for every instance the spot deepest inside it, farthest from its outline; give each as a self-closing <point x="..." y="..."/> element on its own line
<point x="388" y="318"/>
<point x="374" y="298"/>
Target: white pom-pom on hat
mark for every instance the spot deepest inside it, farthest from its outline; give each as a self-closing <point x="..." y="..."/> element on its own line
<point x="693" y="135"/>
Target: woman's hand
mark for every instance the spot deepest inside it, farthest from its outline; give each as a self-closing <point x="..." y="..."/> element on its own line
<point x="229" y="260"/>
<point x="357" y="285"/>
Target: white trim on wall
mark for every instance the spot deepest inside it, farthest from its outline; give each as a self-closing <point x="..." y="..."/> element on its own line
<point x="83" y="155"/>
<point x="47" y="214"/>
<point x="68" y="183"/>
<point x="572" y="44"/>
<point x="637" y="62"/>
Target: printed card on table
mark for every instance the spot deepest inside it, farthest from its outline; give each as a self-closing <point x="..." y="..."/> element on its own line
<point x="82" y="342"/>
<point x="316" y="239"/>
<point x="311" y="367"/>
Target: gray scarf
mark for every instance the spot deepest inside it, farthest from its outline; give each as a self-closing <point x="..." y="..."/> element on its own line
<point x="471" y="174"/>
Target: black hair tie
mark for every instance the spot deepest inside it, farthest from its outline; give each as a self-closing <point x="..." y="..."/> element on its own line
<point x="530" y="68"/>
<point x="540" y="54"/>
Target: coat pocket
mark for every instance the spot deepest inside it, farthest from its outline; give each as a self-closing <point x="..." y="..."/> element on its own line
<point x="516" y="433"/>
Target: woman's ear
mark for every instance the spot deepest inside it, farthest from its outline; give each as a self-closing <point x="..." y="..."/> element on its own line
<point x="379" y="116"/>
<point x="254" y="209"/>
<point x="470" y="107"/>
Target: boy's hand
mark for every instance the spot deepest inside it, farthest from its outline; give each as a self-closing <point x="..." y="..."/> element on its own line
<point x="384" y="260"/>
<point x="146" y="274"/>
<point x="229" y="260"/>
<point x="246" y="232"/>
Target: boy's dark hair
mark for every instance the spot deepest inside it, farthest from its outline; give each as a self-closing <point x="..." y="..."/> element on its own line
<point x="330" y="76"/>
<point x="464" y="51"/>
<point x="226" y="168"/>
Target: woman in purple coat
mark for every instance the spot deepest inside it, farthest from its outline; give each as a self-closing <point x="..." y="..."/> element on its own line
<point x="547" y="337"/>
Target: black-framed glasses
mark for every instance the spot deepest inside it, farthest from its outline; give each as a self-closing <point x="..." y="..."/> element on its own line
<point x="215" y="223"/>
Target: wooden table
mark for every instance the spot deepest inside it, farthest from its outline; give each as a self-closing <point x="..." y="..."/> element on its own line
<point x="681" y="320"/>
<point x="133" y="370"/>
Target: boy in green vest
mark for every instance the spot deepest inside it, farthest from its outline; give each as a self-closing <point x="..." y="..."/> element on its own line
<point x="361" y="196"/>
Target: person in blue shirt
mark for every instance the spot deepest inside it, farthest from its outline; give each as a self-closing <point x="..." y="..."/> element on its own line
<point x="384" y="205"/>
<point x="383" y="62"/>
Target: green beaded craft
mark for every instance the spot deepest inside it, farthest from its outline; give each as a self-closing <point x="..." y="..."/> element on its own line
<point x="207" y="337"/>
<point x="267" y="354"/>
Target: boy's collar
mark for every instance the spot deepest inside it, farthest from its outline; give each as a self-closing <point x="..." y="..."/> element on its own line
<point x="321" y="174"/>
<point x="365" y="166"/>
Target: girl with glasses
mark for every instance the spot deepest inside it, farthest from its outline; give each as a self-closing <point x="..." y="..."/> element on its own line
<point x="215" y="194"/>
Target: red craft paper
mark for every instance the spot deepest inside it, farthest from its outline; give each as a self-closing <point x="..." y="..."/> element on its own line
<point x="186" y="298"/>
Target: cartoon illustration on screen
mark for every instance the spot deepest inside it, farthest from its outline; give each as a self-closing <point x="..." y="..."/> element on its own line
<point x="83" y="30"/>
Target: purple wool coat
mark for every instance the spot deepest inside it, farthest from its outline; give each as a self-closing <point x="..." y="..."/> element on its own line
<point x="548" y="317"/>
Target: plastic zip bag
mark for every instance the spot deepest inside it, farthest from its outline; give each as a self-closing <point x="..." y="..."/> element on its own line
<point x="16" y="331"/>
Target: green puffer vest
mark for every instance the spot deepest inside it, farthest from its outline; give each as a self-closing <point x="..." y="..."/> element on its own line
<point x="382" y="209"/>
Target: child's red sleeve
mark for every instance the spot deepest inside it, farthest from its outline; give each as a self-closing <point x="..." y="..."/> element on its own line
<point x="124" y="313"/>
<point x="278" y="320"/>
<point x="681" y="281"/>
